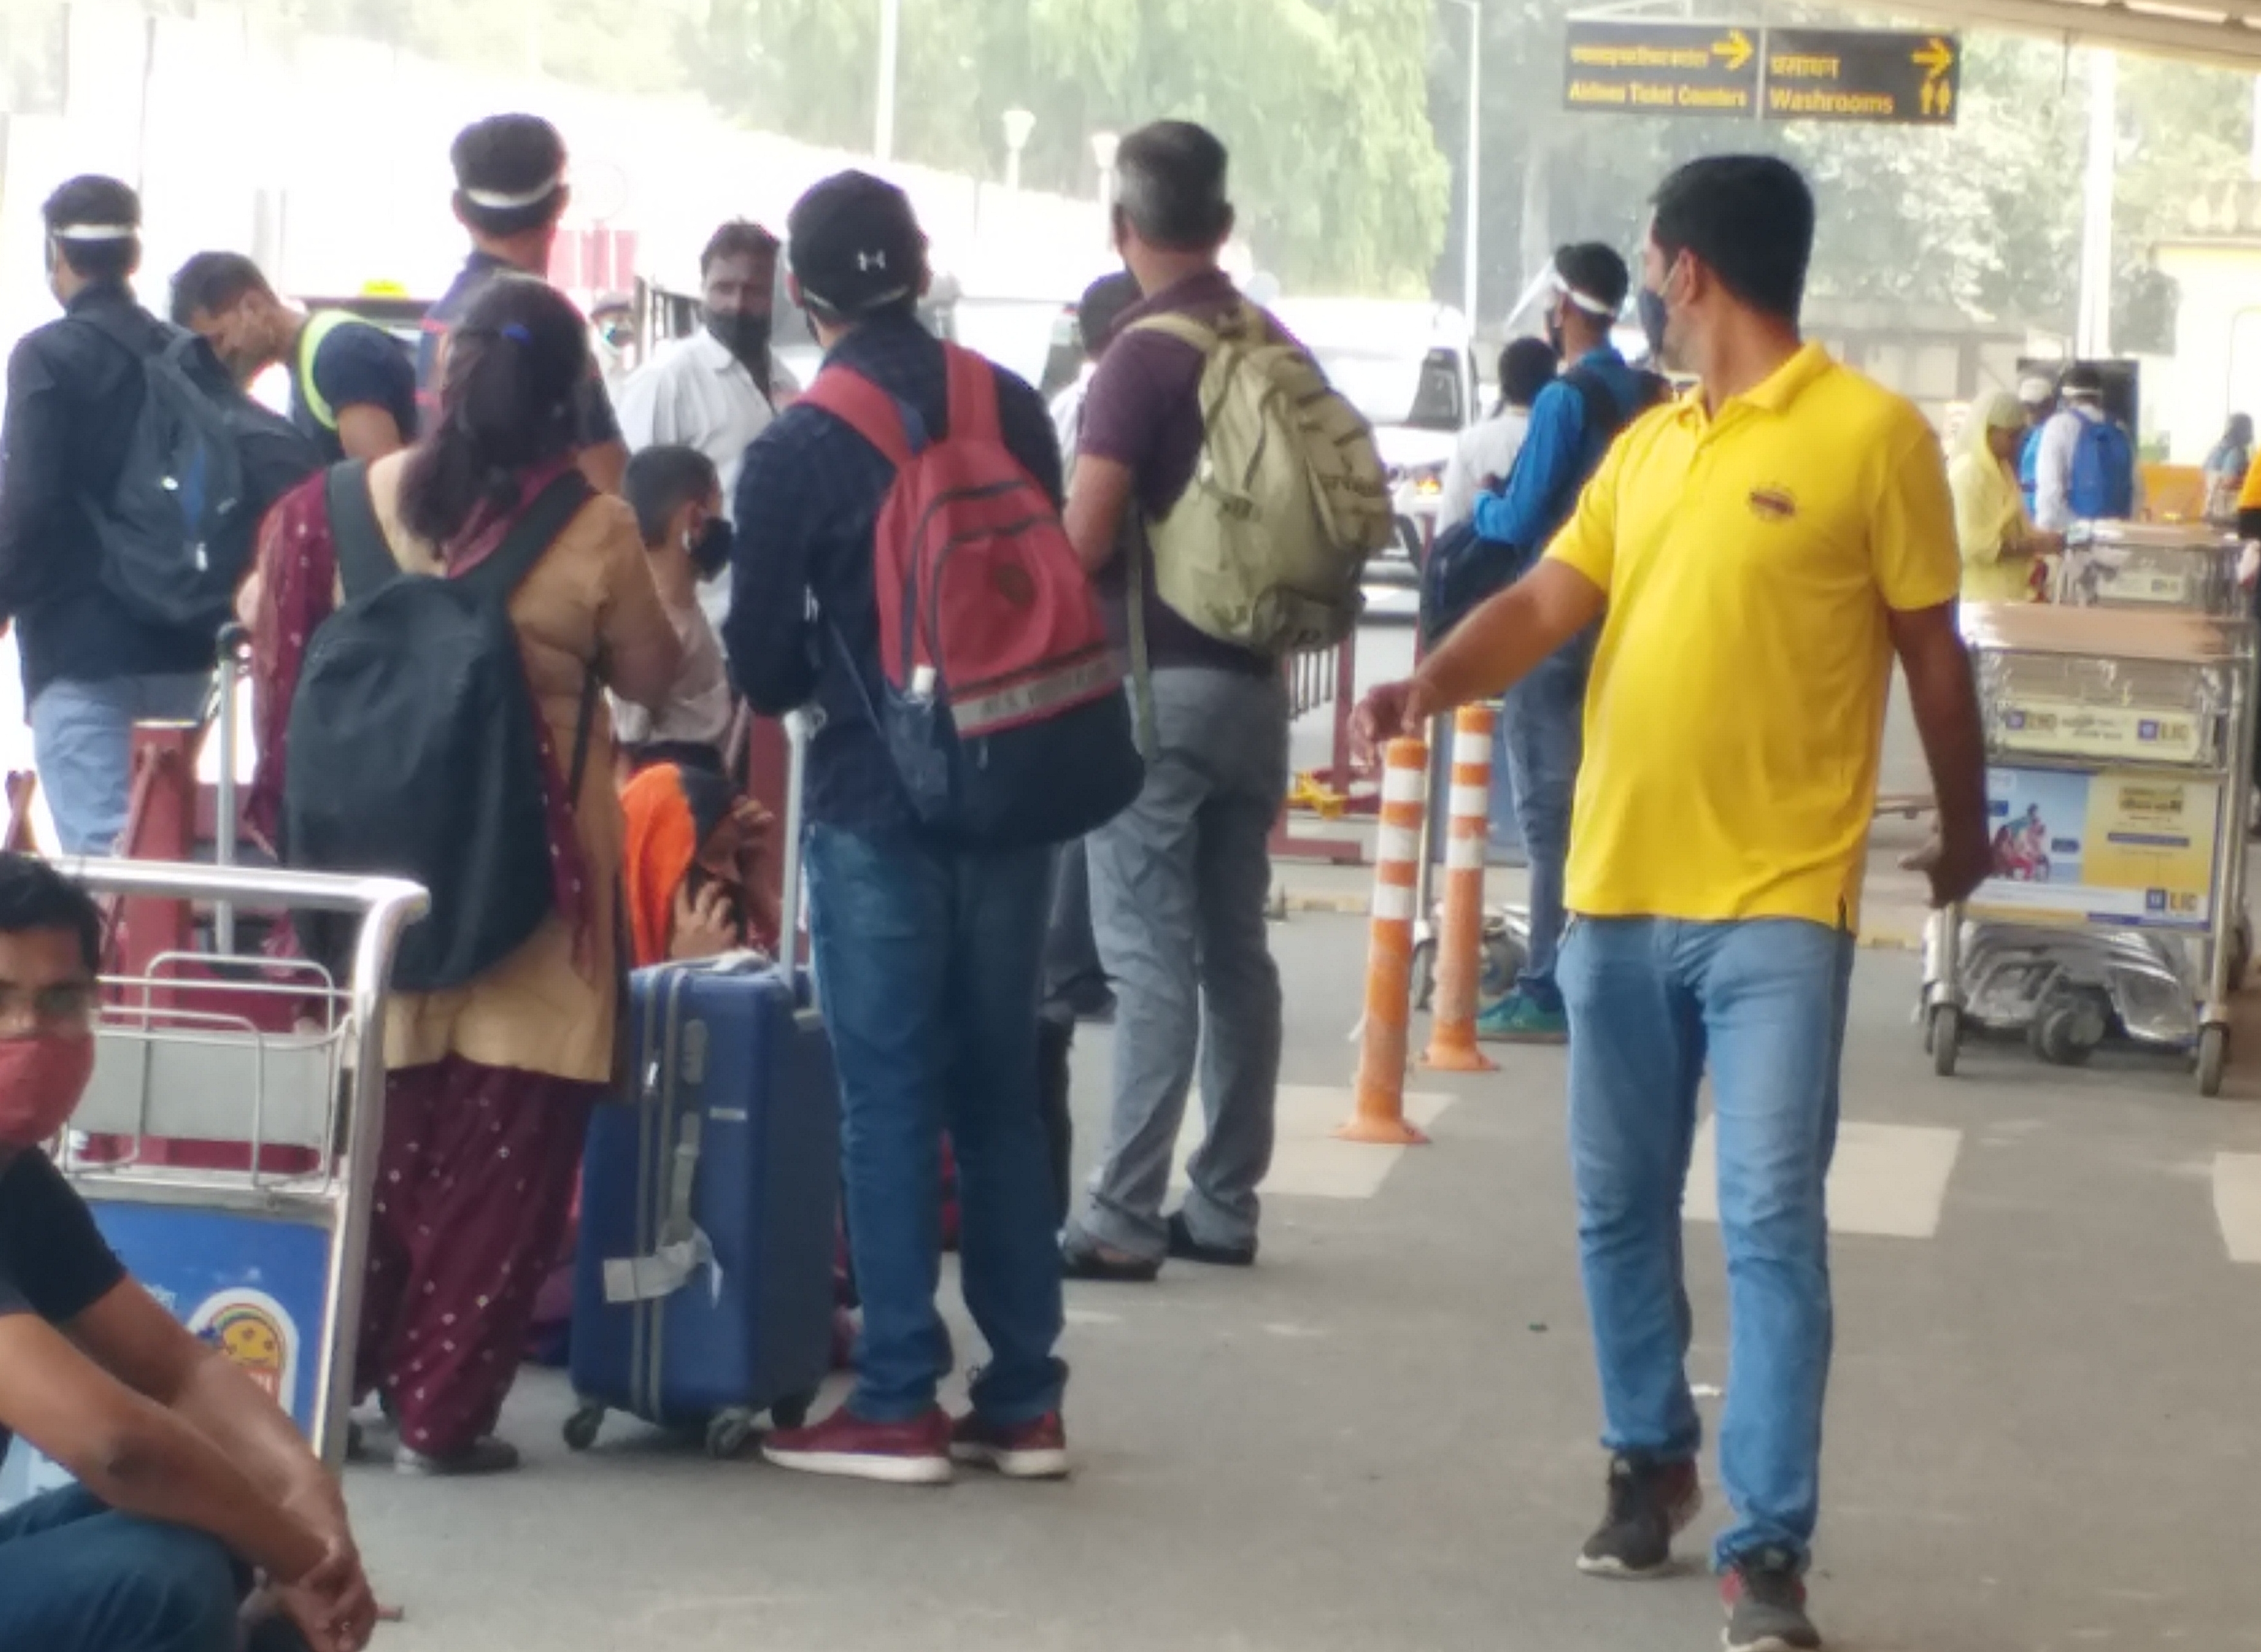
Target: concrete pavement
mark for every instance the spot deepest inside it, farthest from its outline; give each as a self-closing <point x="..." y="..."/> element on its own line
<point x="2043" y="1433"/>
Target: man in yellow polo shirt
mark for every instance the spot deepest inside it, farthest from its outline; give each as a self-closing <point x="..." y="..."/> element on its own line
<point x="1757" y="553"/>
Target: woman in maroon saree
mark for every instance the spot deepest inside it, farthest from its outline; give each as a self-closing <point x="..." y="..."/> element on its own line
<point x="492" y="1082"/>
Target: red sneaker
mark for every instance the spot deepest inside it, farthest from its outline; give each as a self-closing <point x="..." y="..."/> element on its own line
<point x="914" y="1452"/>
<point x="1033" y="1450"/>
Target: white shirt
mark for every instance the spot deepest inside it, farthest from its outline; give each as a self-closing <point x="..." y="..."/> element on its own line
<point x="1067" y="413"/>
<point x="695" y="393"/>
<point x="1487" y="449"/>
<point x="701" y="710"/>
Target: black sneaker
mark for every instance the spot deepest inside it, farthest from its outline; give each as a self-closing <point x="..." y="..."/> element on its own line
<point x="1766" y="1604"/>
<point x="1649" y="1502"/>
<point x="1186" y="1247"/>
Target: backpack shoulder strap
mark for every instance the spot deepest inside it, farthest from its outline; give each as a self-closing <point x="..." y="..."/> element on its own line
<point x="865" y="409"/>
<point x="365" y="561"/>
<point x="530" y="536"/>
<point x="1604" y="416"/>
<point x="972" y="409"/>
<point x="1184" y="328"/>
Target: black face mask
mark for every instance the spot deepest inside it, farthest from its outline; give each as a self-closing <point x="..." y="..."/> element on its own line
<point x="745" y="334"/>
<point x="1653" y="318"/>
<point x="710" y="552"/>
<point x="1554" y="333"/>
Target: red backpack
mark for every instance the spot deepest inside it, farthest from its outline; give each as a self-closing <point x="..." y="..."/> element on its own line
<point x="1000" y="698"/>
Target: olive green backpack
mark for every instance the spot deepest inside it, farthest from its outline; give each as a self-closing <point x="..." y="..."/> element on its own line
<point x="1266" y="547"/>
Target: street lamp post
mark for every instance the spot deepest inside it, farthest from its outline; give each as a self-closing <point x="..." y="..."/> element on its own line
<point x="891" y="40"/>
<point x="1471" y="167"/>
<point x="1019" y="123"/>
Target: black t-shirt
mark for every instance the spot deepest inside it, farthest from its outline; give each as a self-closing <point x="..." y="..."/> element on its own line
<point x="53" y="1261"/>
<point x="594" y="422"/>
<point x="355" y="365"/>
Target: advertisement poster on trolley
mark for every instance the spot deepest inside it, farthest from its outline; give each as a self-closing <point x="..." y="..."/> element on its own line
<point x="2120" y="848"/>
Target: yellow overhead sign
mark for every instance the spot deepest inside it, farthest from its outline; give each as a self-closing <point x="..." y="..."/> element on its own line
<point x="1778" y="74"/>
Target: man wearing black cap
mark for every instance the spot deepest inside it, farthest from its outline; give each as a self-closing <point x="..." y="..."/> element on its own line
<point x="92" y="666"/>
<point x="510" y="194"/>
<point x="929" y="956"/>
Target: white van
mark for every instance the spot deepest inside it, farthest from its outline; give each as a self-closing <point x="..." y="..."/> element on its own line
<point x="1411" y="369"/>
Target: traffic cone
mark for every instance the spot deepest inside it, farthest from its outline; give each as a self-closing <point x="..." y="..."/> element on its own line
<point x="1380" y="1115"/>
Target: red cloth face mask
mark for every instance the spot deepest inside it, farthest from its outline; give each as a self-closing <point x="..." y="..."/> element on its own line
<point x="41" y="1080"/>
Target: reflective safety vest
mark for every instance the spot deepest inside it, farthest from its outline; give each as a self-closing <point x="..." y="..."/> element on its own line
<point x="319" y="328"/>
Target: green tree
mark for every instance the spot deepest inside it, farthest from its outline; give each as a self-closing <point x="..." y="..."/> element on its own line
<point x="1335" y="162"/>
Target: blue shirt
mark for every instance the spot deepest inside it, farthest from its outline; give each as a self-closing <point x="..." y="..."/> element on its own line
<point x="808" y="496"/>
<point x="1558" y="455"/>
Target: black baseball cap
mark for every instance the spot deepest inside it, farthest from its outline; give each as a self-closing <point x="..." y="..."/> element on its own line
<point x="855" y="245"/>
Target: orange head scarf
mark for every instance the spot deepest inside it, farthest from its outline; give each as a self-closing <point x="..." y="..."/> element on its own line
<point x="670" y="812"/>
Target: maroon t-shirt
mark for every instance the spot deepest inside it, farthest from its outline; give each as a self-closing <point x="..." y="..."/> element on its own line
<point x="1142" y="411"/>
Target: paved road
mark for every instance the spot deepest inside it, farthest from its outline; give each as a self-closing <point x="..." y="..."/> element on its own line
<point x="2043" y="1433"/>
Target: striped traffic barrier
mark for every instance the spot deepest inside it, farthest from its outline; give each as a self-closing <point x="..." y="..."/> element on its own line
<point x="1460" y="934"/>
<point x="1380" y="1115"/>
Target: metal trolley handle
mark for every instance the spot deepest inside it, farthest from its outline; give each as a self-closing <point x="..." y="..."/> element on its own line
<point x="386" y="906"/>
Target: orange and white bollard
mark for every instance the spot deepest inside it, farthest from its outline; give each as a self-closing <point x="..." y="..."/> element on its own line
<point x="1459" y="936"/>
<point x="1380" y="1115"/>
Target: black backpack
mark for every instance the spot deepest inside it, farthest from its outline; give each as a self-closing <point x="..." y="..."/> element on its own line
<point x="413" y="744"/>
<point x="1464" y="569"/>
<point x="203" y="464"/>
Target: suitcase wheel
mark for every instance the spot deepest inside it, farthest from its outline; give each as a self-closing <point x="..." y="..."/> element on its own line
<point x="791" y="1411"/>
<point x="581" y="1427"/>
<point x="727" y="1432"/>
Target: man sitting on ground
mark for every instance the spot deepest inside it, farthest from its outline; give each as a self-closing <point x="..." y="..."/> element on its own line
<point x="186" y="1468"/>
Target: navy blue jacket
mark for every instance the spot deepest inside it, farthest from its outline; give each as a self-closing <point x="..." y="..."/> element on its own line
<point x="808" y="497"/>
<point x="74" y="394"/>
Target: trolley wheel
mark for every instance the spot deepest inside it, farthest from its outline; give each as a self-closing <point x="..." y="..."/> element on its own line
<point x="581" y="1427"/>
<point x="1424" y="974"/>
<point x="2212" y="1058"/>
<point x="791" y="1411"/>
<point x="727" y="1432"/>
<point x="1942" y="1036"/>
<point x="2066" y="1029"/>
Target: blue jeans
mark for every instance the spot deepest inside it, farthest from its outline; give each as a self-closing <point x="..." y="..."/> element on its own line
<point x="927" y="964"/>
<point x="1542" y="732"/>
<point x="83" y="743"/>
<point x="77" y="1577"/>
<point x="1651" y="1001"/>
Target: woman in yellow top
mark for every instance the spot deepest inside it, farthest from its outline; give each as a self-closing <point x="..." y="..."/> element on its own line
<point x="1998" y="540"/>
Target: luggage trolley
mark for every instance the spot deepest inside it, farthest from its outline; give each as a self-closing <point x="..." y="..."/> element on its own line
<point x="267" y="1265"/>
<point x="2120" y="751"/>
<point x="2151" y="565"/>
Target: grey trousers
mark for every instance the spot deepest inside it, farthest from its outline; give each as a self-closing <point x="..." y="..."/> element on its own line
<point x="1179" y="883"/>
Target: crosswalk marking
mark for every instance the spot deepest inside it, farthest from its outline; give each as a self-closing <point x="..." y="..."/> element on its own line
<point x="1307" y="1161"/>
<point x="1887" y="1180"/>
<point x="2238" y="1203"/>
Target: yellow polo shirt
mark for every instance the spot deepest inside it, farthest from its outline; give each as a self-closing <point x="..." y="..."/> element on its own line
<point x="1736" y="708"/>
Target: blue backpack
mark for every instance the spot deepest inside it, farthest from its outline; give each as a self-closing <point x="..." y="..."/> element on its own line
<point x="1464" y="570"/>
<point x="2102" y="488"/>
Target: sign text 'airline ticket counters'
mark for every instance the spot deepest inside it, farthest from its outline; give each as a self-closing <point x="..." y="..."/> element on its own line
<point x="1734" y="69"/>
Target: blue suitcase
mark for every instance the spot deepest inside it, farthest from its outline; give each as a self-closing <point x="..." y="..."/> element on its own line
<point x="702" y="1287"/>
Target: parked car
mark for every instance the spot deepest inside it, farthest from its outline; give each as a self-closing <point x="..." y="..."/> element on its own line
<point x="1411" y="370"/>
